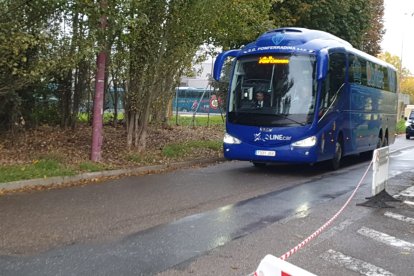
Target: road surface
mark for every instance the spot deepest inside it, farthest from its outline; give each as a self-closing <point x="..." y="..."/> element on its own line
<point x="216" y="220"/>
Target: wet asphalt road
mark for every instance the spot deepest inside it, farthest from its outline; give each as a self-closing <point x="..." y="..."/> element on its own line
<point x="149" y="224"/>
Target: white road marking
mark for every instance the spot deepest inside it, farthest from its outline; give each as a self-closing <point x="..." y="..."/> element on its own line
<point x="354" y="264"/>
<point x="399" y="217"/>
<point x="332" y="231"/>
<point x="408" y="202"/>
<point x="409" y="192"/>
<point x="385" y="238"/>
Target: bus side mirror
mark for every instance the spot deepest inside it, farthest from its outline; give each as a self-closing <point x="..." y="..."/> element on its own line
<point x="323" y="63"/>
<point x="221" y="58"/>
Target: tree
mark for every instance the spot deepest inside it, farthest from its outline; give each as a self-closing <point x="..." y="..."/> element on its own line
<point x="27" y="30"/>
<point x="405" y="79"/>
<point x="48" y="48"/>
<point x="169" y="36"/>
<point x="239" y="22"/>
<point x="407" y="86"/>
<point x="357" y="21"/>
<point x="396" y="62"/>
<point x="373" y="36"/>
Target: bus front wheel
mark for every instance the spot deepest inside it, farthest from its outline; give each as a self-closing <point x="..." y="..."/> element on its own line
<point x="259" y="164"/>
<point x="336" y="160"/>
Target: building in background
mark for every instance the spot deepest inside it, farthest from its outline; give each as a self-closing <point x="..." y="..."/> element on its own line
<point x="202" y="73"/>
<point x="404" y="106"/>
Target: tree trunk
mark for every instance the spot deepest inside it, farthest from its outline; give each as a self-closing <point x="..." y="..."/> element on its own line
<point x="80" y="87"/>
<point x="141" y="131"/>
<point x="116" y="99"/>
<point x="65" y="99"/>
<point x="130" y="128"/>
<point x="138" y="123"/>
<point x="97" y="125"/>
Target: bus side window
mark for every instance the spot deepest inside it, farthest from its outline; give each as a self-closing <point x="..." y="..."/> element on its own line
<point x="337" y="68"/>
<point x="334" y="80"/>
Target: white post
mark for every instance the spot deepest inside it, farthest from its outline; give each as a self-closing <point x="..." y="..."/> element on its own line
<point x="273" y="266"/>
<point x="380" y="160"/>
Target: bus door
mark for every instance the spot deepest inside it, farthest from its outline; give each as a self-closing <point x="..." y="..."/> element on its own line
<point x="360" y="106"/>
<point x="332" y="104"/>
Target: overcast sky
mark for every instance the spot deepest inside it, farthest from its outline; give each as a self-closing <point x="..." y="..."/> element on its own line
<point x="399" y="27"/>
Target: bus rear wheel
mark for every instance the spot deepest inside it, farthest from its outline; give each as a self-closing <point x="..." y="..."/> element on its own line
<point x="368" y="154"/>
<point x="385" y="141"/>
<point x="336" y="160"/>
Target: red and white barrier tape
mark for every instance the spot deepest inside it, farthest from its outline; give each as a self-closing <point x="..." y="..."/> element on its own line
<point x="317" y="232"/>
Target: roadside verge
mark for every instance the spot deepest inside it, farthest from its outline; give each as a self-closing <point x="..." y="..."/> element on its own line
<point x="83" y="178"/>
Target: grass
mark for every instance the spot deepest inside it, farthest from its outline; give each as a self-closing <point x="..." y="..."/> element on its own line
<point x="199" y="120"/>
<point x="179" y="150"/>
<point x="182" y="119"/>
<point x="108" y="117"/>
<point x="92" y="167"/>
<point x="47" y="166"/>
<point x="142" y="158"/>
<point x="134" y="157"/>
<point x="53" y="165"/>
<point x="37" y="169"/>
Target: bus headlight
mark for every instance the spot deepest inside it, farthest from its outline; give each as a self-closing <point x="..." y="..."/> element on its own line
<point x="228" y="139"/>
<point x="306" y="143"/>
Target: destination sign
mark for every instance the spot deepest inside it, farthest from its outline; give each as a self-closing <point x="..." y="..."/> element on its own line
<point x="272" y="60"/>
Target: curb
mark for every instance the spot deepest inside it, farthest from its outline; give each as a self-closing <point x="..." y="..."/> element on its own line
<point x="64" y="180"/>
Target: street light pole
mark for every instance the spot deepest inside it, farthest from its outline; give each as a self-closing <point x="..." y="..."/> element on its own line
<point x="401" y="103"/>
<point x="402" y="49"/>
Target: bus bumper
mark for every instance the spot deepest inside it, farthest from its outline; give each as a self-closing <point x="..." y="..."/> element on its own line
<point x="280" y="154"/>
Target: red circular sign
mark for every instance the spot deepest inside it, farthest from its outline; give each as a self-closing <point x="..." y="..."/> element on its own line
<point x="214" y="102"/>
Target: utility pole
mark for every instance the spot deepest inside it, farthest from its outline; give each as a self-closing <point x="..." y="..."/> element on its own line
<point x="402" y="50"/>
<point x="97" y="123"/>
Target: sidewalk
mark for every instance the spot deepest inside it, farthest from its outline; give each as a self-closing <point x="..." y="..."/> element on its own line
<point x="83" y="178"/>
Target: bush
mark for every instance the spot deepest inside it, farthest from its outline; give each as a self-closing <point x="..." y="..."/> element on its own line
<point x="400" y="127"/>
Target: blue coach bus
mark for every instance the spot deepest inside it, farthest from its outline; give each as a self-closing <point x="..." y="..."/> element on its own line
<point x="200" y="100"/>
<point x="325" y="99"/>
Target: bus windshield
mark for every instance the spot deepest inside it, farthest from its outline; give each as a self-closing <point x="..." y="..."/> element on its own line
<point x="273" y="90"/>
